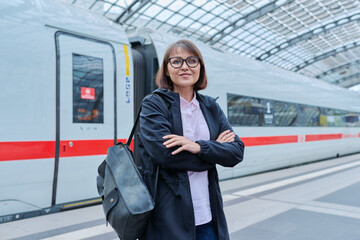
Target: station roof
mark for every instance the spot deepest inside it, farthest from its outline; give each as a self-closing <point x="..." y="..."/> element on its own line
<point x="317" y="38"/>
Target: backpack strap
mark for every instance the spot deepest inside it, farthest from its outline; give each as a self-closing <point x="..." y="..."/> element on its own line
<point x="134" y="127"/>
<point x="128" y="142"/>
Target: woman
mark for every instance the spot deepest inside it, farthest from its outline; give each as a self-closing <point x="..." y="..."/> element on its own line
<point x="186" y="134"/>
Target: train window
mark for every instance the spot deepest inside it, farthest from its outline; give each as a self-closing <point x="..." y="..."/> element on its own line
<point x="323" y="117"/>
<point x="351" y="120"/>
<point x="309" y="116"/>
<point x="285" y="114"/>
<point x="244" y="111"/>
<point x="335" y="118"/>
<point x="340" y="120"/>
<point x="251" y="111"/>
<point x="88" y="86"/>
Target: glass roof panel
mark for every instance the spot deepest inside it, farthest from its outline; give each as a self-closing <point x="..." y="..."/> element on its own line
<point x="175" y="19"/>
<point x="206" y="18"/>
<point x="210" y="6"/>
<point x="222" y="24"/>
<point x="198" y="3"/>
<point x="152" y="10"/>
<point x="198" y="13"/>
<point x="186" y="22"/>
<point x="188" y="9"/>
<point x="215" y="22"/>
<point x="219" y="10"/>
<point x="195" y="25"/>
<point x="176" y="5"/>
<point x="287" y="33"/>
<point x="164" y="15"/>
<point x="163" y="3"/>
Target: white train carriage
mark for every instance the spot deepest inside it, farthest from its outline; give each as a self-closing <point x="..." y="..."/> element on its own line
<point x="67" y="95"/>
<point x="72" y="82"/>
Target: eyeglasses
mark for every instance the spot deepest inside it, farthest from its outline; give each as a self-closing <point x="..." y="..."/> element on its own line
<point x="177" y="62"/>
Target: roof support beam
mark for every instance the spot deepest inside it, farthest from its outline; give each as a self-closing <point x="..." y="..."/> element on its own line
<point x="325" y="55"/>
<point x="343" y="81"/>
<point x="306" y="36"/>
<point x="354" y="83"/>
<point x="246" y="19"/>
<point x="339" y="68"/>
<point x="130" y="12"/>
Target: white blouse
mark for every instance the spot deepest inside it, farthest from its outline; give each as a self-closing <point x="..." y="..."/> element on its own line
<point x="195" y="128"/>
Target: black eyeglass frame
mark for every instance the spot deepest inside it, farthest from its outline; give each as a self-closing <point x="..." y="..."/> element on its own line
<point x="184" y="60"/>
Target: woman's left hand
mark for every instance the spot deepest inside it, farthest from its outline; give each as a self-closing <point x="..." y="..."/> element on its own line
<point x="183" y="142"/>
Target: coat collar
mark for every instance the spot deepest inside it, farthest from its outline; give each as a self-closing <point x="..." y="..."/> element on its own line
<point x="174" y="99"/>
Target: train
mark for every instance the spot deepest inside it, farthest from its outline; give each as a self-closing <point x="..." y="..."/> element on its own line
<point x="71" y="82"/>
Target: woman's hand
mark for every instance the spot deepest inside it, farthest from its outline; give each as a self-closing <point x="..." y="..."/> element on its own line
<point x="183" y="142"/>
<point x="226" y="136"/>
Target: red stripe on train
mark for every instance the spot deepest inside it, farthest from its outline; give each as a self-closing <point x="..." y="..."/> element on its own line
<point x="46" y="149"/>
<point x="259" y="141"/>
<point x="349" y="136"/>
<point x="321" y="137"/>
<point x="26" y="150"/>
<point x="76" y="148"/>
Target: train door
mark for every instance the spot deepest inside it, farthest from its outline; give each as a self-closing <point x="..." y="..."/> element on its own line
<point x="146" y="65"/>
<point x="85" y="114"/>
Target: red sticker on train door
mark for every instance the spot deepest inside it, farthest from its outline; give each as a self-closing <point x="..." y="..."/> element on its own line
<point x="87" y="93"/>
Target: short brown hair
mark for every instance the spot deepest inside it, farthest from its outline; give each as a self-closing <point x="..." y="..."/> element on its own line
<point x="164" y="81"/>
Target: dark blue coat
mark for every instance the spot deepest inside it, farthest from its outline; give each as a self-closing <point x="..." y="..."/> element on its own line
<point x="173" y="216"/>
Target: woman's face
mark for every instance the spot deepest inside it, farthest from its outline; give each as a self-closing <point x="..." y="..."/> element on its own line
<point x="184" y="76"/>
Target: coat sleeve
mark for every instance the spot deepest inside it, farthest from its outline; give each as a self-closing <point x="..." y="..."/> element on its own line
<point x="153" y="126"/>
<point x="226" y="154"/>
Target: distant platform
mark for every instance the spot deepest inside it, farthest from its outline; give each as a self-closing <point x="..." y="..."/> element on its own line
<point x="318" y="201"/>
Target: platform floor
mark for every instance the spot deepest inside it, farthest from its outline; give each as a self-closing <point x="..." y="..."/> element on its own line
<point x="319" y="201"/>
